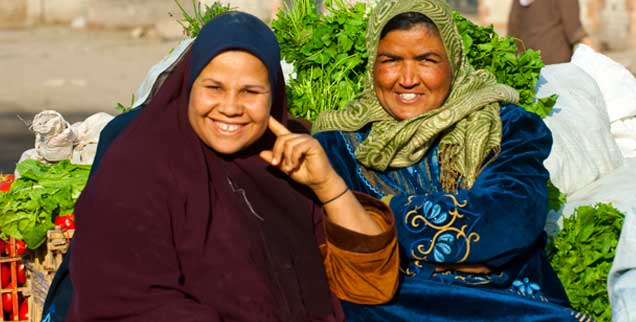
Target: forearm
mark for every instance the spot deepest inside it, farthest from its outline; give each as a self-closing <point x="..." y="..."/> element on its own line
<point x="345" y="210"/>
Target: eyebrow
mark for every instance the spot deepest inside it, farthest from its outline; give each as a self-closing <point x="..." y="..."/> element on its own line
<point x="389" y="55"/>
<point x="427" y="55"/>
<point x="418" y="57"/>
<point x="249" y="86"/>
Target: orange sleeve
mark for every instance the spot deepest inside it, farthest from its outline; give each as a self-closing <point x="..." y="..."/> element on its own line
<point x="361" y="268"/>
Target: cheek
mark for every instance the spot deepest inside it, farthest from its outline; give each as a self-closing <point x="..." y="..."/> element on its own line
<point x="385" y="76"/>
<point x="439" y="79"/>
<point x="200" y="102"/>
<point x="259" y="113"/>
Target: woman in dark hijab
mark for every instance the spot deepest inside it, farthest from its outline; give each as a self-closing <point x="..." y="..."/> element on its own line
<point x="192" y="215"/>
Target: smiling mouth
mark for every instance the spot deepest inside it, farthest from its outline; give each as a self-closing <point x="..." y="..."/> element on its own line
<point x="408" y="97"/>
<point x="227" y="128"/>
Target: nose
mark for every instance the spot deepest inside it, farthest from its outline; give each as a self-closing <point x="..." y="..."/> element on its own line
<point x="231" y="105"/>
<point x="408" y="76"/>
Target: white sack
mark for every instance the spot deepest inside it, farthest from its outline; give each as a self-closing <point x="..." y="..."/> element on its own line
<point x="617" y="84"/>
<point x="584" y="148"/>
<point x="87" y="136"/>
<point x="624" y="132"/>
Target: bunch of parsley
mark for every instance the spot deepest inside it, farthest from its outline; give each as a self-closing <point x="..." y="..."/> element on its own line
<point x="582" y="255"/>
<point x="328" y="52"/>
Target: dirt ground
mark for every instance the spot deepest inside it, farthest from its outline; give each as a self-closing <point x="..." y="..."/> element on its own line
<point x="76" y="72"/>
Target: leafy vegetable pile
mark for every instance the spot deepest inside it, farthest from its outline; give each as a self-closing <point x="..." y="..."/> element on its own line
<point x="582" y="255"/>
<point x="328" y="53"/>
<point x="42" y="193"/>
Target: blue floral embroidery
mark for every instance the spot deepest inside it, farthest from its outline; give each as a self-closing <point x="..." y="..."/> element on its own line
<point x="443" y="247"/>
<point x="525" y="287"/>
<point x="433" y="212"/>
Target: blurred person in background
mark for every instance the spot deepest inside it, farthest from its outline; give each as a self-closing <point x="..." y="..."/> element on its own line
<point x="551" y="26"/>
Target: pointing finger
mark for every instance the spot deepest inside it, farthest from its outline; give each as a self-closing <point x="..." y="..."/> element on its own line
<point x="277" y="128"/>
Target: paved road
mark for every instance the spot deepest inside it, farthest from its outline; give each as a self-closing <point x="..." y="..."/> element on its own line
<point x="76" y="72"/>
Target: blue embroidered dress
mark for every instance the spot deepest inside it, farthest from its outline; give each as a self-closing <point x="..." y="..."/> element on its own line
<point x="498" y="223"/>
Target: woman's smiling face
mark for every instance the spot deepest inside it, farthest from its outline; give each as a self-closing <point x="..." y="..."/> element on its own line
<point x="230" y="102"/>
<point x="412" y="73"/>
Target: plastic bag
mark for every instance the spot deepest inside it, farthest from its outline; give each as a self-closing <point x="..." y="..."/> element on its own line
<point x="54" y="138"/>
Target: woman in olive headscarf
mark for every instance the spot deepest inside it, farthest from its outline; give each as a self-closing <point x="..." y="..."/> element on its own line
<point x="461" y="167"/>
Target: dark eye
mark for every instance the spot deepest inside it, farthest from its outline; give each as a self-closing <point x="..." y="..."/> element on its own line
<point x="387" y="60"/>
<point x="250" y="91"/>
<point x="429" y="59"/>
<point x="213" y="87"/>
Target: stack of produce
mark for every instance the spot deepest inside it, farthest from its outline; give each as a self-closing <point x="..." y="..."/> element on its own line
<point x="40" y="199"/>
<point x="14" y="290"/>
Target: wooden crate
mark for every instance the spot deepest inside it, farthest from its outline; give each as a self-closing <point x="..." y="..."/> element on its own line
<point x="42" y="265"/>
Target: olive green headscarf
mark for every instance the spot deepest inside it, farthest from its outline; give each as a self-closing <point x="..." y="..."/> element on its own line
<point x="469" y="120"/>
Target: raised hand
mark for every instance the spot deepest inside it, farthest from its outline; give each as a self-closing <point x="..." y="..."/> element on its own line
<point x="301" y="157"/>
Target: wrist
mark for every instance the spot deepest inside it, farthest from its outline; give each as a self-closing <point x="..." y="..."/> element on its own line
<point x="333" y="186"/>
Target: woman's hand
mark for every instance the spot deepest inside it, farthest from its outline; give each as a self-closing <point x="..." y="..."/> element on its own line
<point x="301" y="157"/>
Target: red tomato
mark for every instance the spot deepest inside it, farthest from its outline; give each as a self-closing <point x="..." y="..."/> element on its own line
<point x="3" y="246"/>
<point x="65" y="222"/>
<point x="5" y="274"/>
<point x="21" y="274"/>
<point x="20" y="248"/>
<point x="7" y="302"/>
<point x="24" y="310"/>
<point x="5" y="182"/>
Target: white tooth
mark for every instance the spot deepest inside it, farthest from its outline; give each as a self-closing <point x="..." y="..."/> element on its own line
<point x="228" y="127"/>
<point x="408" y="96"/>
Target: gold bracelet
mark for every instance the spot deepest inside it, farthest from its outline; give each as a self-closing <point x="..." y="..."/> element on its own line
<point x="336" y="197"/>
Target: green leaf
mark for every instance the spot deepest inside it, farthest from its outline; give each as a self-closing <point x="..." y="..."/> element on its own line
<point x="192" y="24"/>
<point x="40" y="194"/>
<point x="582" y="255"/>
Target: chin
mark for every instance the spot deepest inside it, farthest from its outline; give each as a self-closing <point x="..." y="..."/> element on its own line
<point x="230" y="148"/>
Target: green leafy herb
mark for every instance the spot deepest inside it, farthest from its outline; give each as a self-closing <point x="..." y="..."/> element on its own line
<point x="40" y="194"/>
<point x="556" y="198"/>
<point x="123" y="108"/>
<point x="328" y="53"/>
<point x="487" y="50"/>
<point x="192" y="23"/>
<point x="582" y="255"/>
